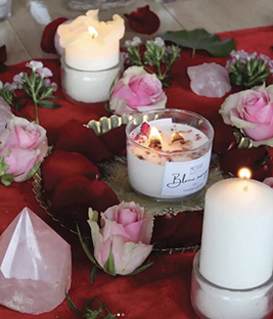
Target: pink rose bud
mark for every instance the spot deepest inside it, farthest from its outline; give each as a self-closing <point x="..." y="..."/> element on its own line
<point x="125" y="235"/>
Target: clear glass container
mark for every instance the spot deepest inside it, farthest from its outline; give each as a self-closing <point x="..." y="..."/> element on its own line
<point x="169" y="173"/>
<point x="87" y="87"/>
<point x="211" y="301"/>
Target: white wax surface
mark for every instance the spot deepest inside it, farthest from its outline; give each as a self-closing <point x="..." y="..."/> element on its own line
<point x="87" y="51"/>
<point x="146" y="168"/>
<point x="237" y="238"/>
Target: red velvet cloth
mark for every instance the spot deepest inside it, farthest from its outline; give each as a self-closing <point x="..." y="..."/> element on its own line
<point x="162" y="291"/>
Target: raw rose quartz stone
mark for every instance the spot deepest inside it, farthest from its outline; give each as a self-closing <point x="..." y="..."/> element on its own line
<point x="35" y="265"/>
<point x="209" y="79"/>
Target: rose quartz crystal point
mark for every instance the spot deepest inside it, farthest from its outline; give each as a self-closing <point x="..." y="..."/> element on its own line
<point x="35" y="265"/>
<point x="209" y="79"/>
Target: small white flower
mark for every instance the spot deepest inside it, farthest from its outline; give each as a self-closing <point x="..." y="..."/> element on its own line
<point x="12" y="86"/>
<point x="159" y="42"/>
<point x="136" y="41"/>
<point x="44" y="72"/>
<point x="34" y="65"/>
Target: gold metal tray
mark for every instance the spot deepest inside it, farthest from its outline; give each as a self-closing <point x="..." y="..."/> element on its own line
<point x="114" y="174"/>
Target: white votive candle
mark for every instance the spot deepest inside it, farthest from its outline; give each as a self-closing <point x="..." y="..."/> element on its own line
<point x="176" y="163"/>
<point x="237" y="237"/>
<point x="90" y="44"/>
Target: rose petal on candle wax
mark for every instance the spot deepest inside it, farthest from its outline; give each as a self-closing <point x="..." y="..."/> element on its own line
<point x="143" y="20"/>
<point x="47" y="42"/>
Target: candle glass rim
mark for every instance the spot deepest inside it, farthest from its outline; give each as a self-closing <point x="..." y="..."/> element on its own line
<point x="180" y="111"/>
<point x="200" y="277"/>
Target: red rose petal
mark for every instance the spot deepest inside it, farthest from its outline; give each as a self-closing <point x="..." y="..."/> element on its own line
<point x="115" y="140"/>
<point x="3" y="54"/>
<point x="47" y="41"/>
<point x="77" y="192"/>
<point x="74" y="137"/>
<point x="61" y="164"/>
<point x="143" y="20"/>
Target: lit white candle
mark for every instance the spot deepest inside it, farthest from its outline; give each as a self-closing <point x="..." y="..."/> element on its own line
<point x="237" y="237"/>
<point x="171" y="165"/>
<point x="90" y="44"/>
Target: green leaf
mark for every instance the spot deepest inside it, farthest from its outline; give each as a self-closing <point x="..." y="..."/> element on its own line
<point x="202" y="40"/>
<point x="72" y="306"/>
<point x="93" y="274"/>
<point x="86" y="248"/>
<point x="3" y="67"/>
<point x="7" y="179"/>
<point x="3" y="166"/>
<point x="141" y="268"/>
<point x="109" y="266"/>
<point x="48" y="104"/>
<point x="32" y="171"/>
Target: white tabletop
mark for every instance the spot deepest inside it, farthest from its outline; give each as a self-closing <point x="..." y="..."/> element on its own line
<point x="22" y="32"/>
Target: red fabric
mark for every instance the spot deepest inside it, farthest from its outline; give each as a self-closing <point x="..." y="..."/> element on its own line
<point x="162" y="291"/>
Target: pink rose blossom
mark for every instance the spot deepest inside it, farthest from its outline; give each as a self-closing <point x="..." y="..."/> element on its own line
<point x="23" y="145"/>
<point x="126" y="231"/>
<point x="269" y="181"/>
<point x="252" y="112"/>
<point x="137" y="91"/>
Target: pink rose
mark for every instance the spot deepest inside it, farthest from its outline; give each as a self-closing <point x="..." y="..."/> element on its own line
<point x="23" y="145"/>
<point x="252" y="112"/>
<point x="125" y="235"/>
<point x="137" y="91"/>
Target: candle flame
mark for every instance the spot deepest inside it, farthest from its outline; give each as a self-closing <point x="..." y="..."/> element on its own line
<point x="154" y="138"/>
<point x="245" y="173"/>
<point x="93" y="32"/>
<point x="177" y="137"/>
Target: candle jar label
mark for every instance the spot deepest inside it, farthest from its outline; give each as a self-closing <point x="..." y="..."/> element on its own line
<point x="185" y="178"/>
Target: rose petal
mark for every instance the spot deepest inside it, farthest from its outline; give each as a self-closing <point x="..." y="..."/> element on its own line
<point x="74" y="137"/>
<point x="61" y="164"/>
<point x="143" y="20"/>
<point x="128" y="256"/>
<point x="47" y="41"/>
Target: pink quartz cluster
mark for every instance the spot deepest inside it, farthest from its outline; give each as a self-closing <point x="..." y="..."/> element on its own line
<point x="209" y="79"/>
<point x="35" y="265"/>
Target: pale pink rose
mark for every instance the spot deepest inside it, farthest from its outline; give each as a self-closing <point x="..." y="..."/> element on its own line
<point x="126" y="231"/>
<point x="137" y="91"/>
<point x="252" y="112"/>
<point x="23" y="145"/>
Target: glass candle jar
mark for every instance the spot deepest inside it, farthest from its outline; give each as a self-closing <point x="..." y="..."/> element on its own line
<point x="211" y="301"/>
<point x="173" y="163"/>
<point x="86" y="87"/>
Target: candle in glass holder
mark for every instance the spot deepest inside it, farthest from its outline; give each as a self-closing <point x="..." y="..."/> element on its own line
<point x="91" y="60"/>
<point x="237" y="237"/>
<point x="168" y="156"/>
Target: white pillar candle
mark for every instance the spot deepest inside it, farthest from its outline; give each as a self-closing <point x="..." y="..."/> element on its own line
<point x="90" y="44"/>
<point x="237" y="237"/>
<point x="176" y="169"/>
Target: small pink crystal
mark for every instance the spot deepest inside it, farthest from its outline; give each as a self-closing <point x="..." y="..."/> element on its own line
<point x="209" y="79"/>
<point x="35" y="264"/>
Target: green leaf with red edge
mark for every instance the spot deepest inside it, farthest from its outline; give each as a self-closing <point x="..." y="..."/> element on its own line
<point x="200" y="39"/>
